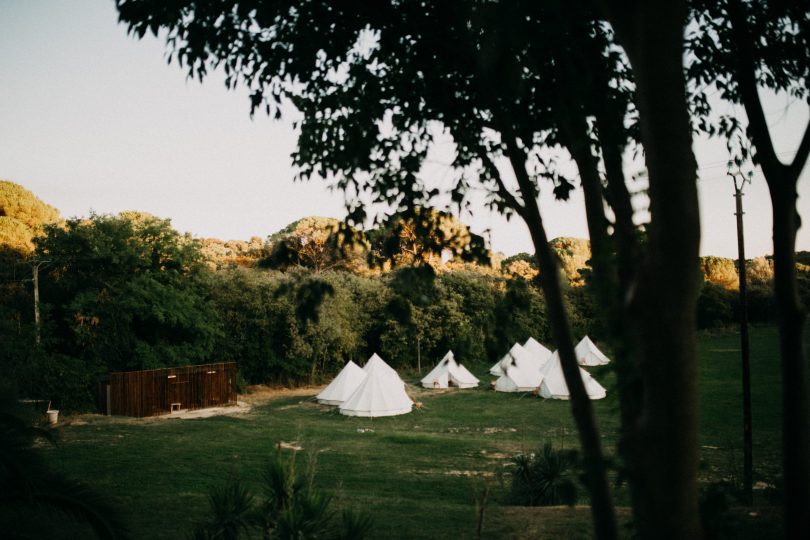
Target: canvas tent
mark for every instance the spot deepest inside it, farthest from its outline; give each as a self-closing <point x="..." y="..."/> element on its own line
<point x="378" y="395"/>
<point x="511" y="357"/>
<point x="376" y="362"/>
<point x="518" y="379"/>
<point x="342" y="386"/>
<point x="554" y="387"/>
<point x="519" y="371"/>
<point x="537" y="352"/>
<point x="588" y="354"/>
<point x="448" y="373"/>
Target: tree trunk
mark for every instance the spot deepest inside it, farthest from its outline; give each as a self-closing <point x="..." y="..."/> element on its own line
<point x="664" y="452"/>
<point x="593" y="461"/>
<point x="795" y="402"/>
<point x="587" y="164"/>
<point x="782" y="181"/>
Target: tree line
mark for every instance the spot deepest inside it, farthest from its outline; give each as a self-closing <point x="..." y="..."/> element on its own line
<point x="129" y="292"/>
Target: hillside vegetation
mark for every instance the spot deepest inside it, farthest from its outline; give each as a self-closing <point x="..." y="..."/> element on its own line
<point x="130" y="292"/>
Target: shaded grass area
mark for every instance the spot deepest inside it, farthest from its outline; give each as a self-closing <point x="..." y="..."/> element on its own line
<point x="416" y="473"/>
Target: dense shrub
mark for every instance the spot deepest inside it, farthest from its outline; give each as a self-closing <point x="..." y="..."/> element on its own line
<point x="716" y="306"/>
<point x="289" y="508"/>
<point x="126" y="292"/>
<point x="546" y="478"/>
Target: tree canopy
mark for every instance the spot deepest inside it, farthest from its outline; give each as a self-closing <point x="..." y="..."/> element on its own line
<point x="22" y="216"/>
<point x="123" y="292"/>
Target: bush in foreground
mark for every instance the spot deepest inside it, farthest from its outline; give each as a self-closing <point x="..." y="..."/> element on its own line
<point x="289" y="509"/>
<point x="546" y="478"/>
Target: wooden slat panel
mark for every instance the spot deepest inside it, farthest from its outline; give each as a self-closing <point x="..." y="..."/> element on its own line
<point x="152" y="392"/>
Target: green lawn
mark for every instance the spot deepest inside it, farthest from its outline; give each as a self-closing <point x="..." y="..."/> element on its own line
<point x="415" y="473"/>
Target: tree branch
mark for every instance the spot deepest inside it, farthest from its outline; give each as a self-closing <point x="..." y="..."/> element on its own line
<point x="509" y="198"/>
<point x="800" y="159"/>
<point x="745" y="71"/>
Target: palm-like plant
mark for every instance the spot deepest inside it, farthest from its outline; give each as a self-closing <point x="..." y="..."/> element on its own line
<point x="289" y="510"/>
<point x="231" y="513"/>
<point x="544" y="479"/>
<point x="356" y="525"/>
<point x="292" y="509"/>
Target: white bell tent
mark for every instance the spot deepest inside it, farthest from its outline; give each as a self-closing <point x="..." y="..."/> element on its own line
<point x="378" y="395"/>
<point x="342" y="386"/>
<point x="537" y="351"/>
<point x="448" y="373"/>
<point x="518" y="379"/>
<point x="519" y="371"/>
<point x="376" y="362"/>
<point x="554" y="386"/>
<point x="516" y="351"/>
<point x="588" y="354"/>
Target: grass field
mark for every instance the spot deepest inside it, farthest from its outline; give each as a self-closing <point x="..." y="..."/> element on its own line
<point x="415" y="473"/>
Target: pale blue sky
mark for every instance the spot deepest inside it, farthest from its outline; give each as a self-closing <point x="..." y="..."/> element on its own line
<point x="92" y="119"/>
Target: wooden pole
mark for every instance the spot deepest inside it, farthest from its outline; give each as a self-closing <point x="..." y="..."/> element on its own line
<point x="739" y="181"/>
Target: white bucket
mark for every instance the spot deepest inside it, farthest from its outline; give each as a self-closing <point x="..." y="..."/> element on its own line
<point x="53" y="416"/>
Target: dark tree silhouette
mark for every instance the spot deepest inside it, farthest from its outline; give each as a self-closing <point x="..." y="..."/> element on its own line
<point x="739" y="48"/>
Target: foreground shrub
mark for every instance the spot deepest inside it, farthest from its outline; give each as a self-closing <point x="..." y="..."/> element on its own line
<point x="289" y="509"/>
<point x="544" y="479"/>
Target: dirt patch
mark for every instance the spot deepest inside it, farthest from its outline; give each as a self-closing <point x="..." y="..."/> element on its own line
<point x="293" y="445"/>
<point x="457" y="473"/>
<point x="260" y="393"/>
<point x="486" y="430"/>
<point x="494" y="455"/>
<point x="241" y="407"/>
<point x="490" y="430"/>
<point x="469" y="473"/>
<point x="255" y="395"/>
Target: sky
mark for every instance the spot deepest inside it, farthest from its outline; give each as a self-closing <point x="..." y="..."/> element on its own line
<point x="94" y="120"/>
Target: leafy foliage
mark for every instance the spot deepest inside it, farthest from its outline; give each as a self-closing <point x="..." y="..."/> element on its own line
<point x="24" y="207"/>
<point x="125" y="293"/>
<point x="289" y="508"/>
<point x="311" y="242"/>
<point x="231" y="514"/>
<point x="544" y="479"/>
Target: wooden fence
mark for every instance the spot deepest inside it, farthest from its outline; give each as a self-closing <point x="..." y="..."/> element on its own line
<point x="161" y="391"/>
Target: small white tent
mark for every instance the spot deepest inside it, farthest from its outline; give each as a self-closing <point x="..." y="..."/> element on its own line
<point x="519" y="371"/>
<point x="507" y="359"/>
<point x="518" y="379"/>
<point x="376" y="362"/>
<point x="378" y="395"/>
<point x="447" y="373"/>
<point x="462" y="377"/>
<point x="538" y="352"/>
<point x="554" y="387"/>
<point x="342" y="386"/>
<point x="588" y="354"/>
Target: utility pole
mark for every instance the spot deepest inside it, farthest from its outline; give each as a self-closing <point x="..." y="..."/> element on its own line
<point x="739" y="181"/>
